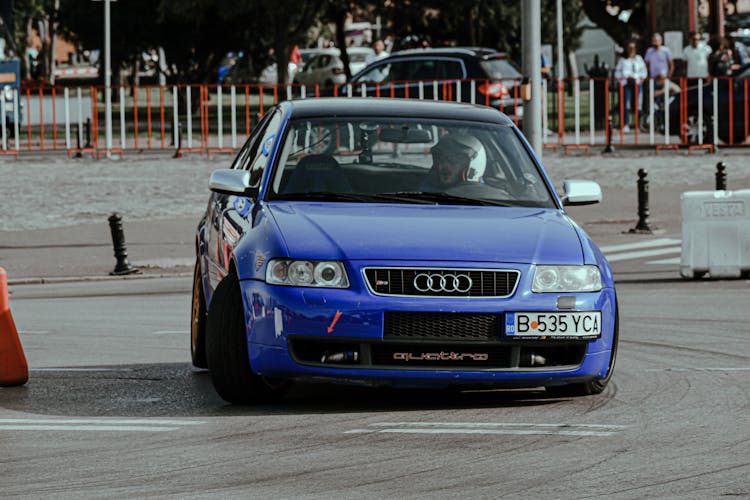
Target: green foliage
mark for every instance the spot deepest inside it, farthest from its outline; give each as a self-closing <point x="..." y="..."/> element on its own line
<point x="197" y="33"/>
<point x="488" y="23"/>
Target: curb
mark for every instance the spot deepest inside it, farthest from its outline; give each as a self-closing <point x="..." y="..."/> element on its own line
<point x="76" y="279"/>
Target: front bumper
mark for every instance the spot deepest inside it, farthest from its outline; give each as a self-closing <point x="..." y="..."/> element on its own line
<point x="293" y="331"/>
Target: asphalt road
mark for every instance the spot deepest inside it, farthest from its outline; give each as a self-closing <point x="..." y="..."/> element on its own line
<point x="114" y="409"/>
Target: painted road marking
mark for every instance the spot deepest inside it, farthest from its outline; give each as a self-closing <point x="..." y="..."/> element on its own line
<point x="577" y="430"/>
<point x="698" y="369"/>
<point x="640" y="245"/>
<point x="94" y="425"/>
<point x="673" y="261"/>
<point x="642" y="253"/>
<point x="642" y="249"/>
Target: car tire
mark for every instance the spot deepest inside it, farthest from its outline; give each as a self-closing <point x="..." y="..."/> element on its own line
<point x="738" y="137"/>
<point x="595" y="386"/>
<point x="690" y="129"/>
<point x="226" y="350"/>
<point x="198" y="320"/>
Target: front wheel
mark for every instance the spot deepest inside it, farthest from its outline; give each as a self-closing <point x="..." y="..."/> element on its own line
<point x="226" y="350"/>
<point x="693" y="128"/>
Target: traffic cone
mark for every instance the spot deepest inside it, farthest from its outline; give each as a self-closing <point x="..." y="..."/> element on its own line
<point x="13" y="367"/>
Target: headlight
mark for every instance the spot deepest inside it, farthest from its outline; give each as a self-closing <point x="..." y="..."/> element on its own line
<point x="550" y="279"/>
<point x="326" y="274"/>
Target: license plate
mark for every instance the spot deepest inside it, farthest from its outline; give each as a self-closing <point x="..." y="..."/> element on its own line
<point x="557" y="325"/>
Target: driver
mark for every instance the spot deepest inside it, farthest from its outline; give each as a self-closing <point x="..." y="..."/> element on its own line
<point x="456" y="158"/>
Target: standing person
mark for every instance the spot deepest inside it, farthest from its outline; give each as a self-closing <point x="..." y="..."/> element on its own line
<point x="630" y="71"/>
<point x="720" y="60"/>
<point x="379" y="47"/>
<point x="696" y="56"/>
<point x="659" y="58"/>
<point x="546" y="70"/>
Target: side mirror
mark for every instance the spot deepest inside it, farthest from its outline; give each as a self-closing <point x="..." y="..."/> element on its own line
<point x="580" y="192"/>
<point x="232" y="182"/>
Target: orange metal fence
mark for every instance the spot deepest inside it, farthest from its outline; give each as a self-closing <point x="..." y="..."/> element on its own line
<point x="217" y="118"/>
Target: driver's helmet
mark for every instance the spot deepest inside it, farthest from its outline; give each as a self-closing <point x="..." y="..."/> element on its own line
<point x="468" y="146"/>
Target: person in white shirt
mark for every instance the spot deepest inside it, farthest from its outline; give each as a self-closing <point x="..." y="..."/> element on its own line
<point x="696" y="56"/>
<point x="379" y="47"/>
<point x="630" y="71"/>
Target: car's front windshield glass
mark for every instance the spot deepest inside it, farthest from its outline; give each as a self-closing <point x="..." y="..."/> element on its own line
<point x="406" y="161"/>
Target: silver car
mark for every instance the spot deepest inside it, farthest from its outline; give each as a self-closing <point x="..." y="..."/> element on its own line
<point x="327" y="69"/>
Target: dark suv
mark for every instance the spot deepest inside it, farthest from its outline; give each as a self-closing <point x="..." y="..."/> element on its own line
<point x="487" y="77"/>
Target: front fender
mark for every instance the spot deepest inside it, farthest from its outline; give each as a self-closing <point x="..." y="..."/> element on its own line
<point x="260" y="243"/>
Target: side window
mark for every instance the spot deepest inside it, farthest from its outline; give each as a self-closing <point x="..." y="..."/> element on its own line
<point x="315" y="63"/>
<point x="422" y="69"/>
<point x="378" y="74"/>
<point x="258" y="159"/>
<point x="449" y="70"/>
<point x="252" y="143"/>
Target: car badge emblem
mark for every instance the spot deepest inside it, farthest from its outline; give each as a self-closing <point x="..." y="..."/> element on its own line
<point x="448" y="283"/>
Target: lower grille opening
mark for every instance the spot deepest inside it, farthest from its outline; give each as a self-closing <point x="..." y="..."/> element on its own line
<point x="425" y="355"/>
<point x="325" y="352"/>
<point x="538" y="356"/>
<point x="442" y="326"/>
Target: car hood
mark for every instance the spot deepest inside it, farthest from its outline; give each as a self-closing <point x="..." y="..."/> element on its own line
<point x="353" y="231"/>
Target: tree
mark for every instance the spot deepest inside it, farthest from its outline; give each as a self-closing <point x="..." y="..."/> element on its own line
<point x="487" y="23"/>
<point x="289" y="21"/>
<point x="626" y="20"/>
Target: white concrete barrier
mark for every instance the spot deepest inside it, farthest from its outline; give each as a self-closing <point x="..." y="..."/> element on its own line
<point x="715" y="234"/>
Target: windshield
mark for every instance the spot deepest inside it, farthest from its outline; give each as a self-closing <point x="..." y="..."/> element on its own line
<point x="406" y="161"/>
<point x="500" y="68"/>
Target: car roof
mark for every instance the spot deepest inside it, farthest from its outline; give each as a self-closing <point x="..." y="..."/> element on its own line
<point x="335" y="51"/>
<point x="397" y="108"/>
<point x="480" y="52"/>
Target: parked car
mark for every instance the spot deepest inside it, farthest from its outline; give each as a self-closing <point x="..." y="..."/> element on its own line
<point x="732" y="90"/>
<point x="327" y="69"/>
<point x="496" y="78"/>
<point x="428" y="249"/>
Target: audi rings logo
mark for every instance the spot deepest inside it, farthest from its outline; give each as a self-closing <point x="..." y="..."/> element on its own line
<point x="448" y="283"/>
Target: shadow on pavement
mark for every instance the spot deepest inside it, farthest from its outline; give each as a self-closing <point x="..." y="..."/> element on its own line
<point x="178" y="390"/>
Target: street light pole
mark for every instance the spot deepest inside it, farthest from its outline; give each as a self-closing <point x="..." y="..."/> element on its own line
<point x="107" y="78"/>
<point x="531" y="34"/>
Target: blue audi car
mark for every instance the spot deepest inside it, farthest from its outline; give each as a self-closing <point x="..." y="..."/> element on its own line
<point x="397" y="242"/>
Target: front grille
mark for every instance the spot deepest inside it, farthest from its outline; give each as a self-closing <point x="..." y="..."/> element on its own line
<point x="457" y="282"/>
<point x="442" y="326"/>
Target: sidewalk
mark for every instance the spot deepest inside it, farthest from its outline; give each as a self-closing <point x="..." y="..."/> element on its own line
<point x="53" y="219"/>
<point x="156" y="248"/>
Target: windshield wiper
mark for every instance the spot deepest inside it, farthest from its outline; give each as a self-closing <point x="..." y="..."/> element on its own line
<point x="438" y="198"/>
<point x="324" y="196"/>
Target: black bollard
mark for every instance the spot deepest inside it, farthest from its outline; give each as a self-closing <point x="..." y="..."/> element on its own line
<point x="643" y="210"/>
<point x="121" y="251"/>
<point x="78" y="142"/>
<point x="608" y="148"/>
<point x="721" y="176"/>
<point x="178" y="142"/>
<point x="88" y="133"/>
